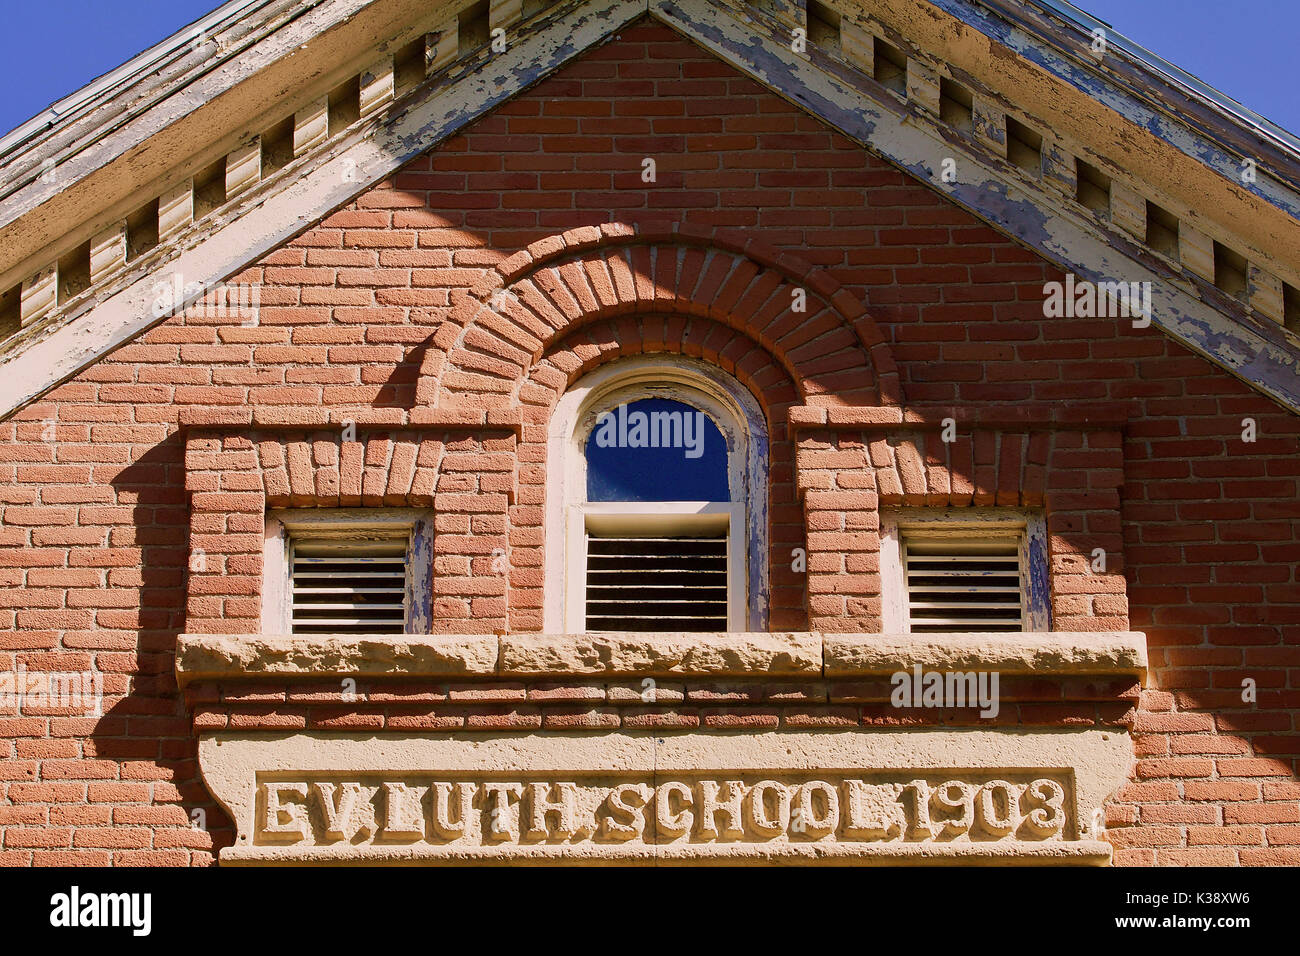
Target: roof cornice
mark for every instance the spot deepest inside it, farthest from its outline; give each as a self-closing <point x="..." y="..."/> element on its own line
<point x="63" y="187"/>
<point x="1037" y="207"/>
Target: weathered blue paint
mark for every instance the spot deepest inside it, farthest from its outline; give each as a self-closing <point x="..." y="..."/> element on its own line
<point x="419" y="589"/>
<point x="1064" y="236"/>
<point x="1040" y="592"/>
<point x="1108" y="89"/>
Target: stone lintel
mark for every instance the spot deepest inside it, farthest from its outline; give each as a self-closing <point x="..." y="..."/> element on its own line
<point x="651" y="654"/>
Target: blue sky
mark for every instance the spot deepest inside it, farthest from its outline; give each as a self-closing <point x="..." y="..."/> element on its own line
<point x="1244" y="49"/>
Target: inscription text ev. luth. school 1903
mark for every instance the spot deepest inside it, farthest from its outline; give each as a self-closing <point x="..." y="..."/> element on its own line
<point x="421" y="809"/>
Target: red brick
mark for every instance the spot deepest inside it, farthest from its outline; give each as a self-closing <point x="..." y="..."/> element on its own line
<point x="96" y="528"/>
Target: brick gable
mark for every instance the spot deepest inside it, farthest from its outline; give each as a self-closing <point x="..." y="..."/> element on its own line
<point x="96" y="524"/>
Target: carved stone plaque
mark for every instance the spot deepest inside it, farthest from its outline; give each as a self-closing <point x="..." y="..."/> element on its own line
<point x="865" y="796"/>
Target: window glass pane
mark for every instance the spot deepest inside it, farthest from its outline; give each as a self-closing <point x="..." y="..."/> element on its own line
<point x="656" y="449"/>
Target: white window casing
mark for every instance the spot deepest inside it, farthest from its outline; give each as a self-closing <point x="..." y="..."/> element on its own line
<point x="349" y="568"/>
<point x="963" y="569"/>
<point x="570" y="517"/>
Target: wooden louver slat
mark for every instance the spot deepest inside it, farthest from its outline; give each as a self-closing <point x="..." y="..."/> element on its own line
<point x="349" y="587"/>
<point x="963" y="584"/>
<point x="656" y="584"/>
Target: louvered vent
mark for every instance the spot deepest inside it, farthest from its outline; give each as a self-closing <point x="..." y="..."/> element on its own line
<point x="956" y="584"/>
<point x="349" y="587"/>
<point x="656" y="584"/>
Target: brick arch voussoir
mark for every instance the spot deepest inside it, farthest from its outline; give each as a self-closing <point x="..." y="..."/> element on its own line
<point x="833" y="350"/>
<point x="590" y="346"/>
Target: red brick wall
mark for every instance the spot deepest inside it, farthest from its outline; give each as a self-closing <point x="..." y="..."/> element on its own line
<point x="96" y="521"/>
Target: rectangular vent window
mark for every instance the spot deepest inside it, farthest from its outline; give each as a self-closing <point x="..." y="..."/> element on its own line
<point x="1093" y="189"/>
<point x="890" y="66"/>
<point x="1024" y="147"/>
<point x="656" y="584"/>
<point x="961" y="584"/>
<point x="11" y="311"/>
<point x="349" y="587"/>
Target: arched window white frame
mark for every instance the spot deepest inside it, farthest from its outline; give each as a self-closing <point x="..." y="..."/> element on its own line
<point x="569" y="516"/>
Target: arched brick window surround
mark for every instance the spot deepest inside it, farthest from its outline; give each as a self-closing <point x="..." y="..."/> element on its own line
<point x="818" y="331"/>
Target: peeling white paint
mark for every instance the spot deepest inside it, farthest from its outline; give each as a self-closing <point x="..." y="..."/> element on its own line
<point x="304" y="192"/>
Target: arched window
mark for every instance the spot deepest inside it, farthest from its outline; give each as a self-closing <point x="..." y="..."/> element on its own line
<point x="657" y="502"/>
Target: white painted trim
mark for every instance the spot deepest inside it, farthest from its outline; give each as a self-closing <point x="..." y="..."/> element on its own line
<point x="737" y="415"/>
<point x="1037" y="565"/>
<point x="1028" y="526"/>
<point x="265" y="219"/>
<point x="276" y="612"/>
<point x="893" y="583"/>
<point x="283" y="526"/>
<point x="1027" y="209"/>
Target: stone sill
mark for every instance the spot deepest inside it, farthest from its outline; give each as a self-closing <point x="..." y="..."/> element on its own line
<point x="1005" y="853"/>
<point x="805" y="654"/>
